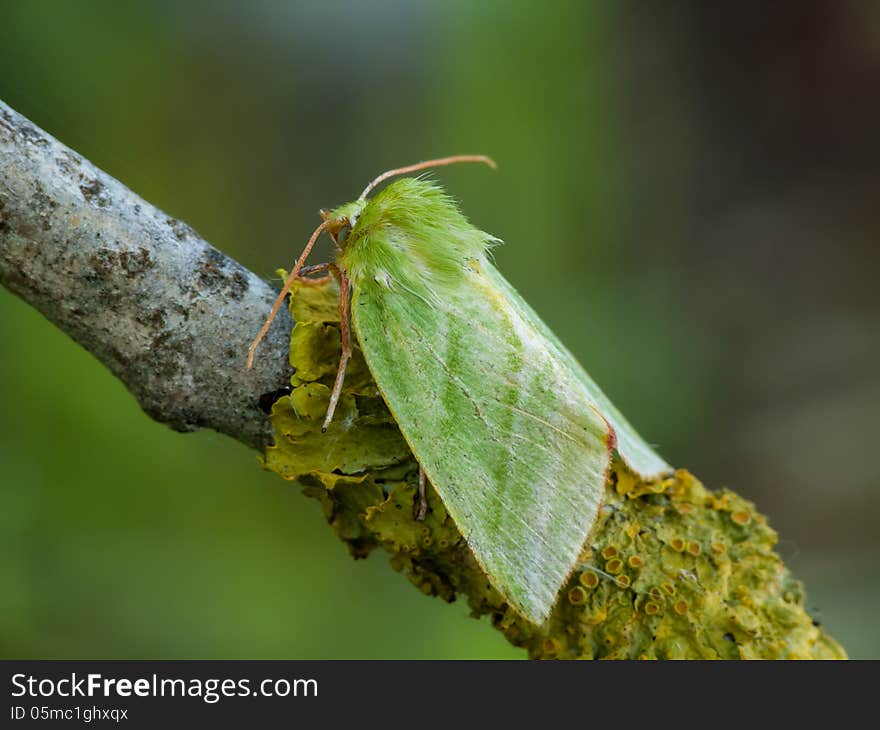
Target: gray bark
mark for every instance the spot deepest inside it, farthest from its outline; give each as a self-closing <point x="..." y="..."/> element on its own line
<point x="168" y="314"/>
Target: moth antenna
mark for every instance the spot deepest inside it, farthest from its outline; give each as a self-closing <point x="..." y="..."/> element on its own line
<point x="286" y="288"/>
<point x="440" y="162"/>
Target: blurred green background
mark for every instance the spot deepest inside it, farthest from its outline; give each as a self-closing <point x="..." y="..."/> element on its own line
<point x="688" y="195"/>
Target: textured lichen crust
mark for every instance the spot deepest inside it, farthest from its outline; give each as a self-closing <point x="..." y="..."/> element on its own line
<point x="670" y="571"/>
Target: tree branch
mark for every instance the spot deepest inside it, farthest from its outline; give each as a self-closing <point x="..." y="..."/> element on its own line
<point x="167" y="313"/>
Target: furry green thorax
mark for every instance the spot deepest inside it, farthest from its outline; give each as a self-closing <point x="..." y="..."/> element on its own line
<point x="411" y="235"/>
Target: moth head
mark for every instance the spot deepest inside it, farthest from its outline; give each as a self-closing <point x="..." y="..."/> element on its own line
<point x="342" y="220"/>
<point x="339" y="221"/>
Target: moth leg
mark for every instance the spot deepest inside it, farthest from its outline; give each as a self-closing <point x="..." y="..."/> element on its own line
<point x="345" y="330"/>
<point x="306" y="270"/>
<point x="423" y="502"/>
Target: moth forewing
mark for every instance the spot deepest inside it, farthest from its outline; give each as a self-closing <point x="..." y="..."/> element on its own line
<point x="505" y="431"/>
<point x="631" y="447"/>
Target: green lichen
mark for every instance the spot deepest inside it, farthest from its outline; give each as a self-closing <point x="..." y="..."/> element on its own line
<point x="671" y="570"/>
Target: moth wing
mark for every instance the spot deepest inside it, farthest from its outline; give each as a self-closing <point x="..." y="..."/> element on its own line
<point x="633" y="449"/>
<point x="503" y="426"/>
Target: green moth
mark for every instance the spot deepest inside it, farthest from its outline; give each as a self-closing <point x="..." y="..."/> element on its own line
<point x="513" y="434"/>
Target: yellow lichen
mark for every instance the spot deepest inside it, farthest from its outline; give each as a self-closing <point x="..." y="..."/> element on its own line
<point x="577" y="595"/>
<point x="742" y="517"/>
<point x="614" y="566"/>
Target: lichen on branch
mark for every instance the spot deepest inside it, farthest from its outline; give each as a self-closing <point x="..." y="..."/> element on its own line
<point x="671" y="570"/>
